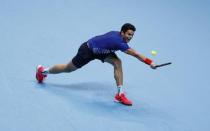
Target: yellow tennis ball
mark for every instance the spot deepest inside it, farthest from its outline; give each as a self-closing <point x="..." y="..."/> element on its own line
<point x="153" y="52"/>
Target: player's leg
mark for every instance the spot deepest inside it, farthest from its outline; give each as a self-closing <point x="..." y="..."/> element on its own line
<point x="62" y="68"/>
<point x="42" y="72"/>
<point x="118" y="75"/>
<point x="117" y="64"/>
<point x="83" y="56"/>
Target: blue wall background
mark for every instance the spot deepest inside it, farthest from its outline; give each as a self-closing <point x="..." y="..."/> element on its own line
<point x="48" y="32"/>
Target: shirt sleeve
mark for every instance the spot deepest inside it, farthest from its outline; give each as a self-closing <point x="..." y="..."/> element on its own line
<point x="123" y="47"/>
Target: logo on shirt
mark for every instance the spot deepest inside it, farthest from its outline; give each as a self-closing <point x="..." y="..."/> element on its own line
<point x="102" y="51"/>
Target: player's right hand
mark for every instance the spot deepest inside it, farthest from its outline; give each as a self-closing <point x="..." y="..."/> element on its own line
<point x="153" y="66"/>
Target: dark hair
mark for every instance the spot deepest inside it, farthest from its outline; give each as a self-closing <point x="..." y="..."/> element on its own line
<point x="128" y="26"/>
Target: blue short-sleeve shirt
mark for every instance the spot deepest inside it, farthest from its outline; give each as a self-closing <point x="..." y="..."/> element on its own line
<point x="107" y="43"/>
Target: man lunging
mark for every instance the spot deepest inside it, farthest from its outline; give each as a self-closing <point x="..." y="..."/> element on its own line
<point x="101" y="47"/>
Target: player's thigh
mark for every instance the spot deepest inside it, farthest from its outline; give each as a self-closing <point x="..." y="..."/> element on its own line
<point x="113" y="59"/>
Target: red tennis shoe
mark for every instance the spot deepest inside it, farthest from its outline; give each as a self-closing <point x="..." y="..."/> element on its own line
<point x="121" y="98"/>
<point x="39" y="76"/>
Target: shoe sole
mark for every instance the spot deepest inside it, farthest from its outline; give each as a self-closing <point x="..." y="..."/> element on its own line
<point x="122" y="103"/>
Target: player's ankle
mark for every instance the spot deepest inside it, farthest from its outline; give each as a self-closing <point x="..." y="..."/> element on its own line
<point x="119" y="89"/>
<point x="45" y="71"/>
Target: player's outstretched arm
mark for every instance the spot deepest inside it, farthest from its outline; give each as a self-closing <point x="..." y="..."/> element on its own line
<point x="140" y="57"/>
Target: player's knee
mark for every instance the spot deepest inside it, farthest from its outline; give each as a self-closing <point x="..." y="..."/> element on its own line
<point x="67" y="70"/>
<point x="70" y="68"/>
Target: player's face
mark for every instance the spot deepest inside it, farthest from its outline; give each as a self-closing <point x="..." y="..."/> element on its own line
<point x="128" y="35"/>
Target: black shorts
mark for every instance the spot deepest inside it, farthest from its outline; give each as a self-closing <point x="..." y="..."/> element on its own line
<point x="85" y="55"/>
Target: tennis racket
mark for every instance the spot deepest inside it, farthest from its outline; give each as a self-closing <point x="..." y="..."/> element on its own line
<point x="164" y="64"/>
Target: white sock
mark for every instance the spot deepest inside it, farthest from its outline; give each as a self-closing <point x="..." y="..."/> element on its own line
<point x="46" y="71"/>
<point x="119" y="89"/>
